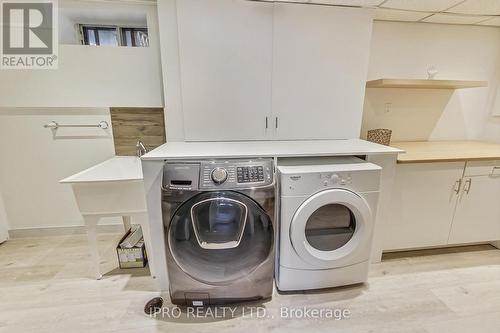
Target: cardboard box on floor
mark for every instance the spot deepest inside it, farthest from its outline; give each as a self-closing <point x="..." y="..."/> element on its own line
<point x="134" y="257"/>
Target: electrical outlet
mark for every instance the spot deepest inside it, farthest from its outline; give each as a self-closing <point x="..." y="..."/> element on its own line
<point x="387" y="107"/>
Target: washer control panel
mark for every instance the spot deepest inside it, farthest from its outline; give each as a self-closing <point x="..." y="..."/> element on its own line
<point x="252" y="174"/>
<point x="236" y="173"/>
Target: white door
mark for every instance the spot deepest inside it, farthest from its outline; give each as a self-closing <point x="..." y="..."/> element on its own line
<point x="320" y="68"/>
<point x="423" y="200"/>
<point x="332" y="228"/>
<point x="225" y="50"/>
<point x="477" y="218"/>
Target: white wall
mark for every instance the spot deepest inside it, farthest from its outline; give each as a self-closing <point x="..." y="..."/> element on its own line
<point x="406" y="50"/>
<point x="169" y="41"/>
<point x="89" y="81"/>
<point x="93" y="76"/>
<point x="88" y="77"/>
<point x="33" y="162"/>
<point x="495" y="101"/>
<point x="72" y="13"/>
<point x="3" y="221"/>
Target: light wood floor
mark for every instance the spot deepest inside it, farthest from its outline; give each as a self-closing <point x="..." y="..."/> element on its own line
<point x="45" y="286"/>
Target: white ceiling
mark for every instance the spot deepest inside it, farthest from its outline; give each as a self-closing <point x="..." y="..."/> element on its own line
<point x="399" y="15"/>
<point x="483" y="12"/>
<point x="475" y="12"/>
<point x="108" y="12"/>
<point x="492" y="22"/>
<point x="471" y="12"/>
<point x="421" y="5"/>
<point x="478" y="7"/>
<point x="454" y="19"/>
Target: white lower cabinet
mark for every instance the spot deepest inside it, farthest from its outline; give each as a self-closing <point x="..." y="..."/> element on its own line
<point x="477" y="217"/>
<point x="422" y="206"/>
<point x="436" y="204"/>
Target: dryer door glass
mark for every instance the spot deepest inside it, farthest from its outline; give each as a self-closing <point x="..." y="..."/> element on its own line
<point x="218" y="237"/>
<point x="330" y="227"/>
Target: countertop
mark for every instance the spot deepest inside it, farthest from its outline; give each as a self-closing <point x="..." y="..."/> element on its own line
<point x="242" y="149"/>
<point x="446" y="151"/>
<point x="116" y="169"/>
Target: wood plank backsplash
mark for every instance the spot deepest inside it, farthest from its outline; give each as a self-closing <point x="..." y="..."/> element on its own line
<point x="133" y="124"/>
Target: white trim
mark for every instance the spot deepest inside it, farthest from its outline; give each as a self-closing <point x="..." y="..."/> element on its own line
<point x="4" y="223"/>
<point x="125" y="2"/>
<point x="63" y="231"/>
<point x="496" y="244"/>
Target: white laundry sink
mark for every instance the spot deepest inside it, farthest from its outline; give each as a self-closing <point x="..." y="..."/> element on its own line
<point x="111" y="188"/>
<point x="118" y="168"/>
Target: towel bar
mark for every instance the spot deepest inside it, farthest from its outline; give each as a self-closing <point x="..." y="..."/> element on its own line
<point x="54" y="125"/>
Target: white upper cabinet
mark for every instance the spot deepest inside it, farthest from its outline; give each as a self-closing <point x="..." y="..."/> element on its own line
<point x="260" y="70"/>
<point x="320" y="67"/>
<point x="225" y="50"/>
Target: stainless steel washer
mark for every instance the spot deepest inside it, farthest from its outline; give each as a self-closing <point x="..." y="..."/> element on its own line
<point x="219" y="228"/>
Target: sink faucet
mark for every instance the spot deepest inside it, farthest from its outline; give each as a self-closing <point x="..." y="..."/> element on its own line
<point x="140" y="149"/>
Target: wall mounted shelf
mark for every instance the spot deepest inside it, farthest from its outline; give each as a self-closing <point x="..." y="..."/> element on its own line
<point x="424" y="84"/>
<point x="446" y="151"/>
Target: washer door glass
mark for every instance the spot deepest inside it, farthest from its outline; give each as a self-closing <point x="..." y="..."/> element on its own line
<point x="219" y="237"/>
<point x="218" y="223"/>
<point x="330" y="227"/>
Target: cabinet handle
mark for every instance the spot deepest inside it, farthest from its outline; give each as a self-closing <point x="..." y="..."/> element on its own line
<point x="458" y="185"/>
<point x="493" y="171"/>
<point x="276" y="122"/>
<point x="467" y="186"/>
<point x="267" y="122"/>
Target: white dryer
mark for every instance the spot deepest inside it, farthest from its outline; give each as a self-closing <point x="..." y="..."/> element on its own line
<point x="327" y="213"/>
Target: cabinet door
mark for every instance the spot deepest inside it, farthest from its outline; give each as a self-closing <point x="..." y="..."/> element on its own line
<point x="225" y="50"/>
<point x="319" y="70"/>
<point x="423" y="201"/>
<point x="477" y="218"/>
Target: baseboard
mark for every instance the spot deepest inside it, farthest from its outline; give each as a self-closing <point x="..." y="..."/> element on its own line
<point x="470" y="247"/>
<point x="496" y="244"/>
<point x="63" y="231"/>
<point x="435" y="247"/>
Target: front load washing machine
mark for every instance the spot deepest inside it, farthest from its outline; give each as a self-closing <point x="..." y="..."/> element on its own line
<point x="327" y="212"/>
<point x="219" y="228"/>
